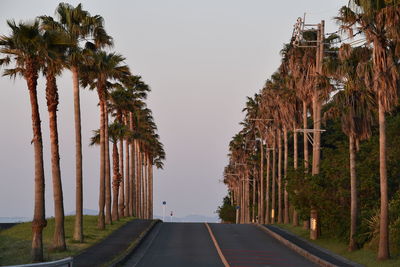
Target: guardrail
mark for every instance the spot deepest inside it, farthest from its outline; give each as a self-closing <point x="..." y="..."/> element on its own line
<point x="67" y="262"/>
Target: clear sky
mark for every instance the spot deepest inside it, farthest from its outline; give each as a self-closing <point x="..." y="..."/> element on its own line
<point x="201" y="59"/>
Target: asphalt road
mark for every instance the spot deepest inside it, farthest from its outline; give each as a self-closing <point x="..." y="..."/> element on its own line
<point x="178" y="244"/>
<point x="247" y="245"/>
<point x="190" y="244"/>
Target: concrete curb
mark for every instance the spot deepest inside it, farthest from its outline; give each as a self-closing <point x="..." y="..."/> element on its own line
<point x="298" y="249"/>
<point x="122" y="257"/>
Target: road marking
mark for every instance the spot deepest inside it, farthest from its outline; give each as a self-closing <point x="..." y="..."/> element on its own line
<point x="223" y="259"/>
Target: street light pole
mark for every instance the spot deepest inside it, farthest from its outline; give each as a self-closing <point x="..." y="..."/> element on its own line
<point x="164" y="203"/>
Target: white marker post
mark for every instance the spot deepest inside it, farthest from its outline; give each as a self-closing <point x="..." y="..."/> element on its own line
<point x="163" y="208"/>
<point x="237" y="214"/>
<point x="171" y="215"/>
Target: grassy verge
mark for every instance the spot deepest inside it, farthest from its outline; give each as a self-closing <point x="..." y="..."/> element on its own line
<point x="364" y="256"/>
<point x="15" y="242"/>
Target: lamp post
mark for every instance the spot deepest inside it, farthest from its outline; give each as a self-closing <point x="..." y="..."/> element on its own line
<point x="164" y="203"/>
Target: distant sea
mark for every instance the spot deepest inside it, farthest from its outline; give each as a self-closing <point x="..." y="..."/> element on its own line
<point x="190" y="218"/>
<point x="27" y="219"/>
<point x="14" y="219"/>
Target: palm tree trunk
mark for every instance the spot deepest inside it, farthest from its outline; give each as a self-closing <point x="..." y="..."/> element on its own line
<point x="295" y="163"/>
<point x="39" y="219"/>
<point x="52" y="103"/>
<point x="280" y="209"/>
<point x="78" y="226"/>
<point x="247" y="198"/>
<point x="132" y="183"/>
<point x="108" y="168"/>
<point x="273" y="204"/>
<point x="240" y="197"/>
<point x="146" y="169"/>
<point x="285" y="165"/>
<point x="267" y="197"/>
<point x="305" y="147"/>
<point x="121" y="203"/>
<point x="116" y="182"/>
<point x="127" y="207"/>
<point x="253" y="201"/>
<point x="138" y="178"/>
<point x="144" y="185"/>
<point x="101" y="218"/>
<point x="305" y="140"/>
<point x="237" y="203"/>
<point x="259" y="218"/>
<point x="261" y="213"/>
<point x="383" y="251"/>
<point x="244" y="200"/>
<point x="132" y="210"/>
<point x="353" y="185"/>
<point x="148" y="185"/>
<point x="136" y="181"/>
<point x="151" y="191"/>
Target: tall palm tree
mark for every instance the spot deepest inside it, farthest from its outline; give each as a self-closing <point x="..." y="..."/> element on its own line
<point x="127" y="102"/>
<point x="79" y="25"/>
<point x="379" y="21"/>
<point x="54" y="49"/>
<point x="354" y="105"/>
<point x="104" y="68"/>
<point x="22" y="47"/>
<point x="257" y="123"/>
<point x="120" y="103"/>
<point x="293" y="110"/>
<point x="116" y="132"/>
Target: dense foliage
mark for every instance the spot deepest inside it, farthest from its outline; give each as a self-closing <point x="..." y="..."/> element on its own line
<point x="330" y="190"/>
<point x="227" y="212"/>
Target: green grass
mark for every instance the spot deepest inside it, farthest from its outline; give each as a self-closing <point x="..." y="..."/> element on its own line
<point x="15" y="243"/>
<point x="364" y="256"/>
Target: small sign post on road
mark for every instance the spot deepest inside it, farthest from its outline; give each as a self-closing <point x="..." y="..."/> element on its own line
<point x="171" y="215"/>
<point x="163" y="207"/>
<point x="237" y="214"/>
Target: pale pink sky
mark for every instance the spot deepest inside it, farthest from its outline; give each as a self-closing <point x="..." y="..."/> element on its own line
<point x="201" y="59"/>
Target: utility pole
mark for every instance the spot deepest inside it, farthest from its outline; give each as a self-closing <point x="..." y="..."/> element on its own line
<point x="315" y="139"/>
<point x="314" y="221"/>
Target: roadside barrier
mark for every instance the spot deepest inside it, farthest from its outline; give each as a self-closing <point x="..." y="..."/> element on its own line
<point x="67" y="262"/>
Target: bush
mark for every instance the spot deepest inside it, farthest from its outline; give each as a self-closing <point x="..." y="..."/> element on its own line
<point x="227" y="212"/>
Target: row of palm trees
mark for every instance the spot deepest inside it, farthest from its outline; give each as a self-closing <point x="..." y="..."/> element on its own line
<point x="352" y="83"/>
<point x="77" y="41"/>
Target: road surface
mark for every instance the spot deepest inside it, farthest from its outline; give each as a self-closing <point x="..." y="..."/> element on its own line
<point x="190" y="244"/>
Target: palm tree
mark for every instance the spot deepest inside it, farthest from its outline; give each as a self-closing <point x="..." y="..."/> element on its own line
<point x="293" y="109"/>
<point x="354" y="105"/>
<point x="128" y="102"/>
<point x="103" y="68"/>
<point x="120" y="104"/>
<point x="23" y="46"/>
<point x="301" y="63"/>
<point x="116" y="132"/>
<point x="378" y="20"/>
<point x="54" y="49"/>
<point x="78" y="25"/>
<point x="257" y="123"/>
<point x="236" y="162"/>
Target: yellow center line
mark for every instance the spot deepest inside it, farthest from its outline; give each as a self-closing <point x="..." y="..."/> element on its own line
<point x="223" y="259"/>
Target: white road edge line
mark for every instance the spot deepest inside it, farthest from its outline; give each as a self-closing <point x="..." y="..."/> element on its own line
<point x="223" y="259"/>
